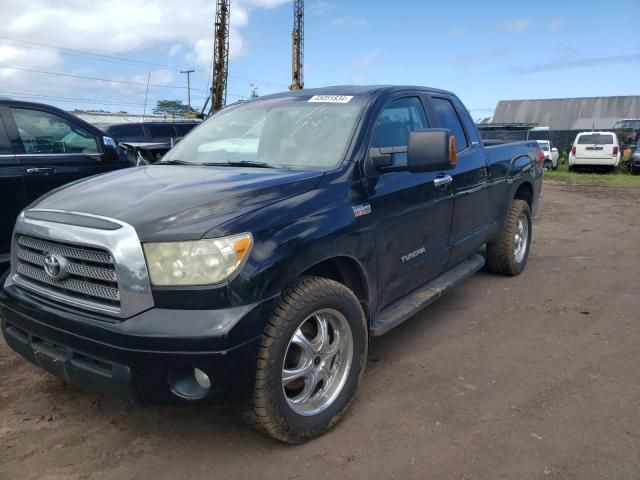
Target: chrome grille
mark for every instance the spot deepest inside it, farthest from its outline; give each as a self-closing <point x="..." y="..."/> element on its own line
<point x="90" y="272"/>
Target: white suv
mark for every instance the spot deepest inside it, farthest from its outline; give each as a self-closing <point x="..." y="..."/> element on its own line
<point x="550" y="154"/>
<point x="595" y="149"/>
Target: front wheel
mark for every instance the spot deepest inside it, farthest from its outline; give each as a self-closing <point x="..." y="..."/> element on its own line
<point x="508" y="255"/>
<point x="313" y="354"/>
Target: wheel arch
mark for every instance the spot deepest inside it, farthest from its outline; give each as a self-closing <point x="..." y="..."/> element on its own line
<point x="525" y="192"/>
<point x="347" y="271"/>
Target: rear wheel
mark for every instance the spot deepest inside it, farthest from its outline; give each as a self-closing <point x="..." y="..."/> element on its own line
<point x="312" y="357"/>
<point x="548" y="165"/>
<point x="508" y="255"/>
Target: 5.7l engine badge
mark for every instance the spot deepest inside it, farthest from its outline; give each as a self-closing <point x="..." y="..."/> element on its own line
<point x="361" y="209"/>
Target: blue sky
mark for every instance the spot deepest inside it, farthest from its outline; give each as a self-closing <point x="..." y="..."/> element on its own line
<point x="483" y="51"/>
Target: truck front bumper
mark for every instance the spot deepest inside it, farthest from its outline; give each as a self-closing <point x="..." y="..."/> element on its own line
<point x="150" y="358"/>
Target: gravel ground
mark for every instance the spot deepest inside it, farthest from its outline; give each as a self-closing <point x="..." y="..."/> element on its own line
<point x="529" y="377"/>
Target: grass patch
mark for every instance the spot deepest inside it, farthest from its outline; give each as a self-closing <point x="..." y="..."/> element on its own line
<point x="618" y="178"/>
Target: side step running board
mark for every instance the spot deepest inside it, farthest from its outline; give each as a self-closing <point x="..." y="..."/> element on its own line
<point x="412" y="303"/>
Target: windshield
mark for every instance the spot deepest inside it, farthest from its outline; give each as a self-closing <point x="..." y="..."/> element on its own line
<point x="289" y="132"/>
<point x="624" y="124"/>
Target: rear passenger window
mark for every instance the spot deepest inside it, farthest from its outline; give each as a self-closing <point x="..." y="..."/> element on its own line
<point x="449" y="119"/>
<point x="161" y="133"/>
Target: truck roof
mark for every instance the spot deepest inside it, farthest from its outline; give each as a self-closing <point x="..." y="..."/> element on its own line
<point x="366" y="90"/>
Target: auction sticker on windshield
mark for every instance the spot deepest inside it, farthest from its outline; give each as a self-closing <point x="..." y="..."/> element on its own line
<point x="330" y="99"/>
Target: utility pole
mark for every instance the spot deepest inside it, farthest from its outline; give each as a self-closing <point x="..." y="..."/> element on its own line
<point x="188" y="72"/>
<point x="146" y="94"/>
<point x="220" y="57"/>
<point x="297" y="46"/>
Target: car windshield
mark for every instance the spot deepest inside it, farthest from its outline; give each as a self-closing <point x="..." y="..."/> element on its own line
<point x="624" y="124"/>
<point x="289" y="132"/>
<point x="595" y="139"/>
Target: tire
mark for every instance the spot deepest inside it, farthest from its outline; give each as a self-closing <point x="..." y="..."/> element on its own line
<point x="548" y="165"/>
<point x="301" y="308"/>
<point x="505" y="255"/>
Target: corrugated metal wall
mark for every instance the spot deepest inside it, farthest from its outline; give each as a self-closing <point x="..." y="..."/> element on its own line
<point x="569" y="113"/>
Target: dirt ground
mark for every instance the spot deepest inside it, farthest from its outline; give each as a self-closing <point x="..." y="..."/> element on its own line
<point x="536" y="376"/>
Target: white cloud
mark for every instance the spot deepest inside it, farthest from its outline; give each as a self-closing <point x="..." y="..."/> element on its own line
<point x="555" y="24"/>
<point x="114" y="28"/>
<point x="349" y="21"/>
<point x="120" y="26"/>
<point x="517" y="26"/>
<point x="175" y="49"/>
<point x="319" y="8"/>
<point x="370" y="58"/>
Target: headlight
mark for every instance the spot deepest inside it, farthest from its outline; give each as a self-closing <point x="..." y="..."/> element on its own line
<point x="200" y="262"/>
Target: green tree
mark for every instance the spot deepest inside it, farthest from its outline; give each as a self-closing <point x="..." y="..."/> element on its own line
<point x="173" y="108"/>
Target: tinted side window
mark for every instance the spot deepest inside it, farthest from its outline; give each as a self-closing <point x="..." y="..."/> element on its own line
<point x="5" y="144"/>
<point x="44" y="132"/>
<point x="127" y="133"/>
<point x="396" y="121"/>
<point x="449" y="119"/>
<point x="183" y="128"/>
<point x="161" y="133"/>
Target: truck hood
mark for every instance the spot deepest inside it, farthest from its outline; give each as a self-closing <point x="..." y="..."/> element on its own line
<point x="175" y="202"/>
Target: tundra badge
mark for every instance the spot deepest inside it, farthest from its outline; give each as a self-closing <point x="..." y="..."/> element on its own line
<point x="412" y="255"/>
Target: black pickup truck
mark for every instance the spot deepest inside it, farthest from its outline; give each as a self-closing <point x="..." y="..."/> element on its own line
<point x="254" y="262"/>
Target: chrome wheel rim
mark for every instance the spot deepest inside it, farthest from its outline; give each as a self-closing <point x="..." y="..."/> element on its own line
<point x="317" y="362"/>
<point x="521" y="238"/>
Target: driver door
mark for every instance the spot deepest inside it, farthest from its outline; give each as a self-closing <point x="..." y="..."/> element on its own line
<point x="411" y="213"/>
<point x="53" y="150"/>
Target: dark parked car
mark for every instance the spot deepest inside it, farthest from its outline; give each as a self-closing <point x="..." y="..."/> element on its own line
<point x="149" y="132"/>
<point x="634" y="162"/>
<point x="255" y="261"/>
<point x="41" y="148"/>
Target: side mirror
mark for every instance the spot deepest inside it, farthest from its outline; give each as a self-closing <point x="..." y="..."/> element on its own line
<point x="431" y="150"/>
<point x="110" y="149"/>
<point x="383" y="158"/>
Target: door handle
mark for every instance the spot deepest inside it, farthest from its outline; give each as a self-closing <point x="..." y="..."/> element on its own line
<point x="35" y="171"/>
<point x="443" y="180"/>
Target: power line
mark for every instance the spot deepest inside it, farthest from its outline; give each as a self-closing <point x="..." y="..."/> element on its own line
<point x="69" y="100"/>
<point x="127" y="61"/>
<point x="81" y="53"/>
<point x="124" y="82"/>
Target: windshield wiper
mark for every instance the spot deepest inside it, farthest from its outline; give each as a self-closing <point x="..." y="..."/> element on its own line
<point x="240" y="163"/>
<point x="174" y="162"/>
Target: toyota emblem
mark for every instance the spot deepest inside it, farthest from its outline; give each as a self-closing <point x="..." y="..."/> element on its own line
<point x="55" y="266"/>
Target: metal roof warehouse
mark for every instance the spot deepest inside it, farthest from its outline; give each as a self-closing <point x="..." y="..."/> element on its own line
<point x="569" y="113"/>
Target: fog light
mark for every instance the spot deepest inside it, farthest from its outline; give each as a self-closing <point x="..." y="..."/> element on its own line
<point x="189" y="383"/>
<point x="202" y="378"/>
